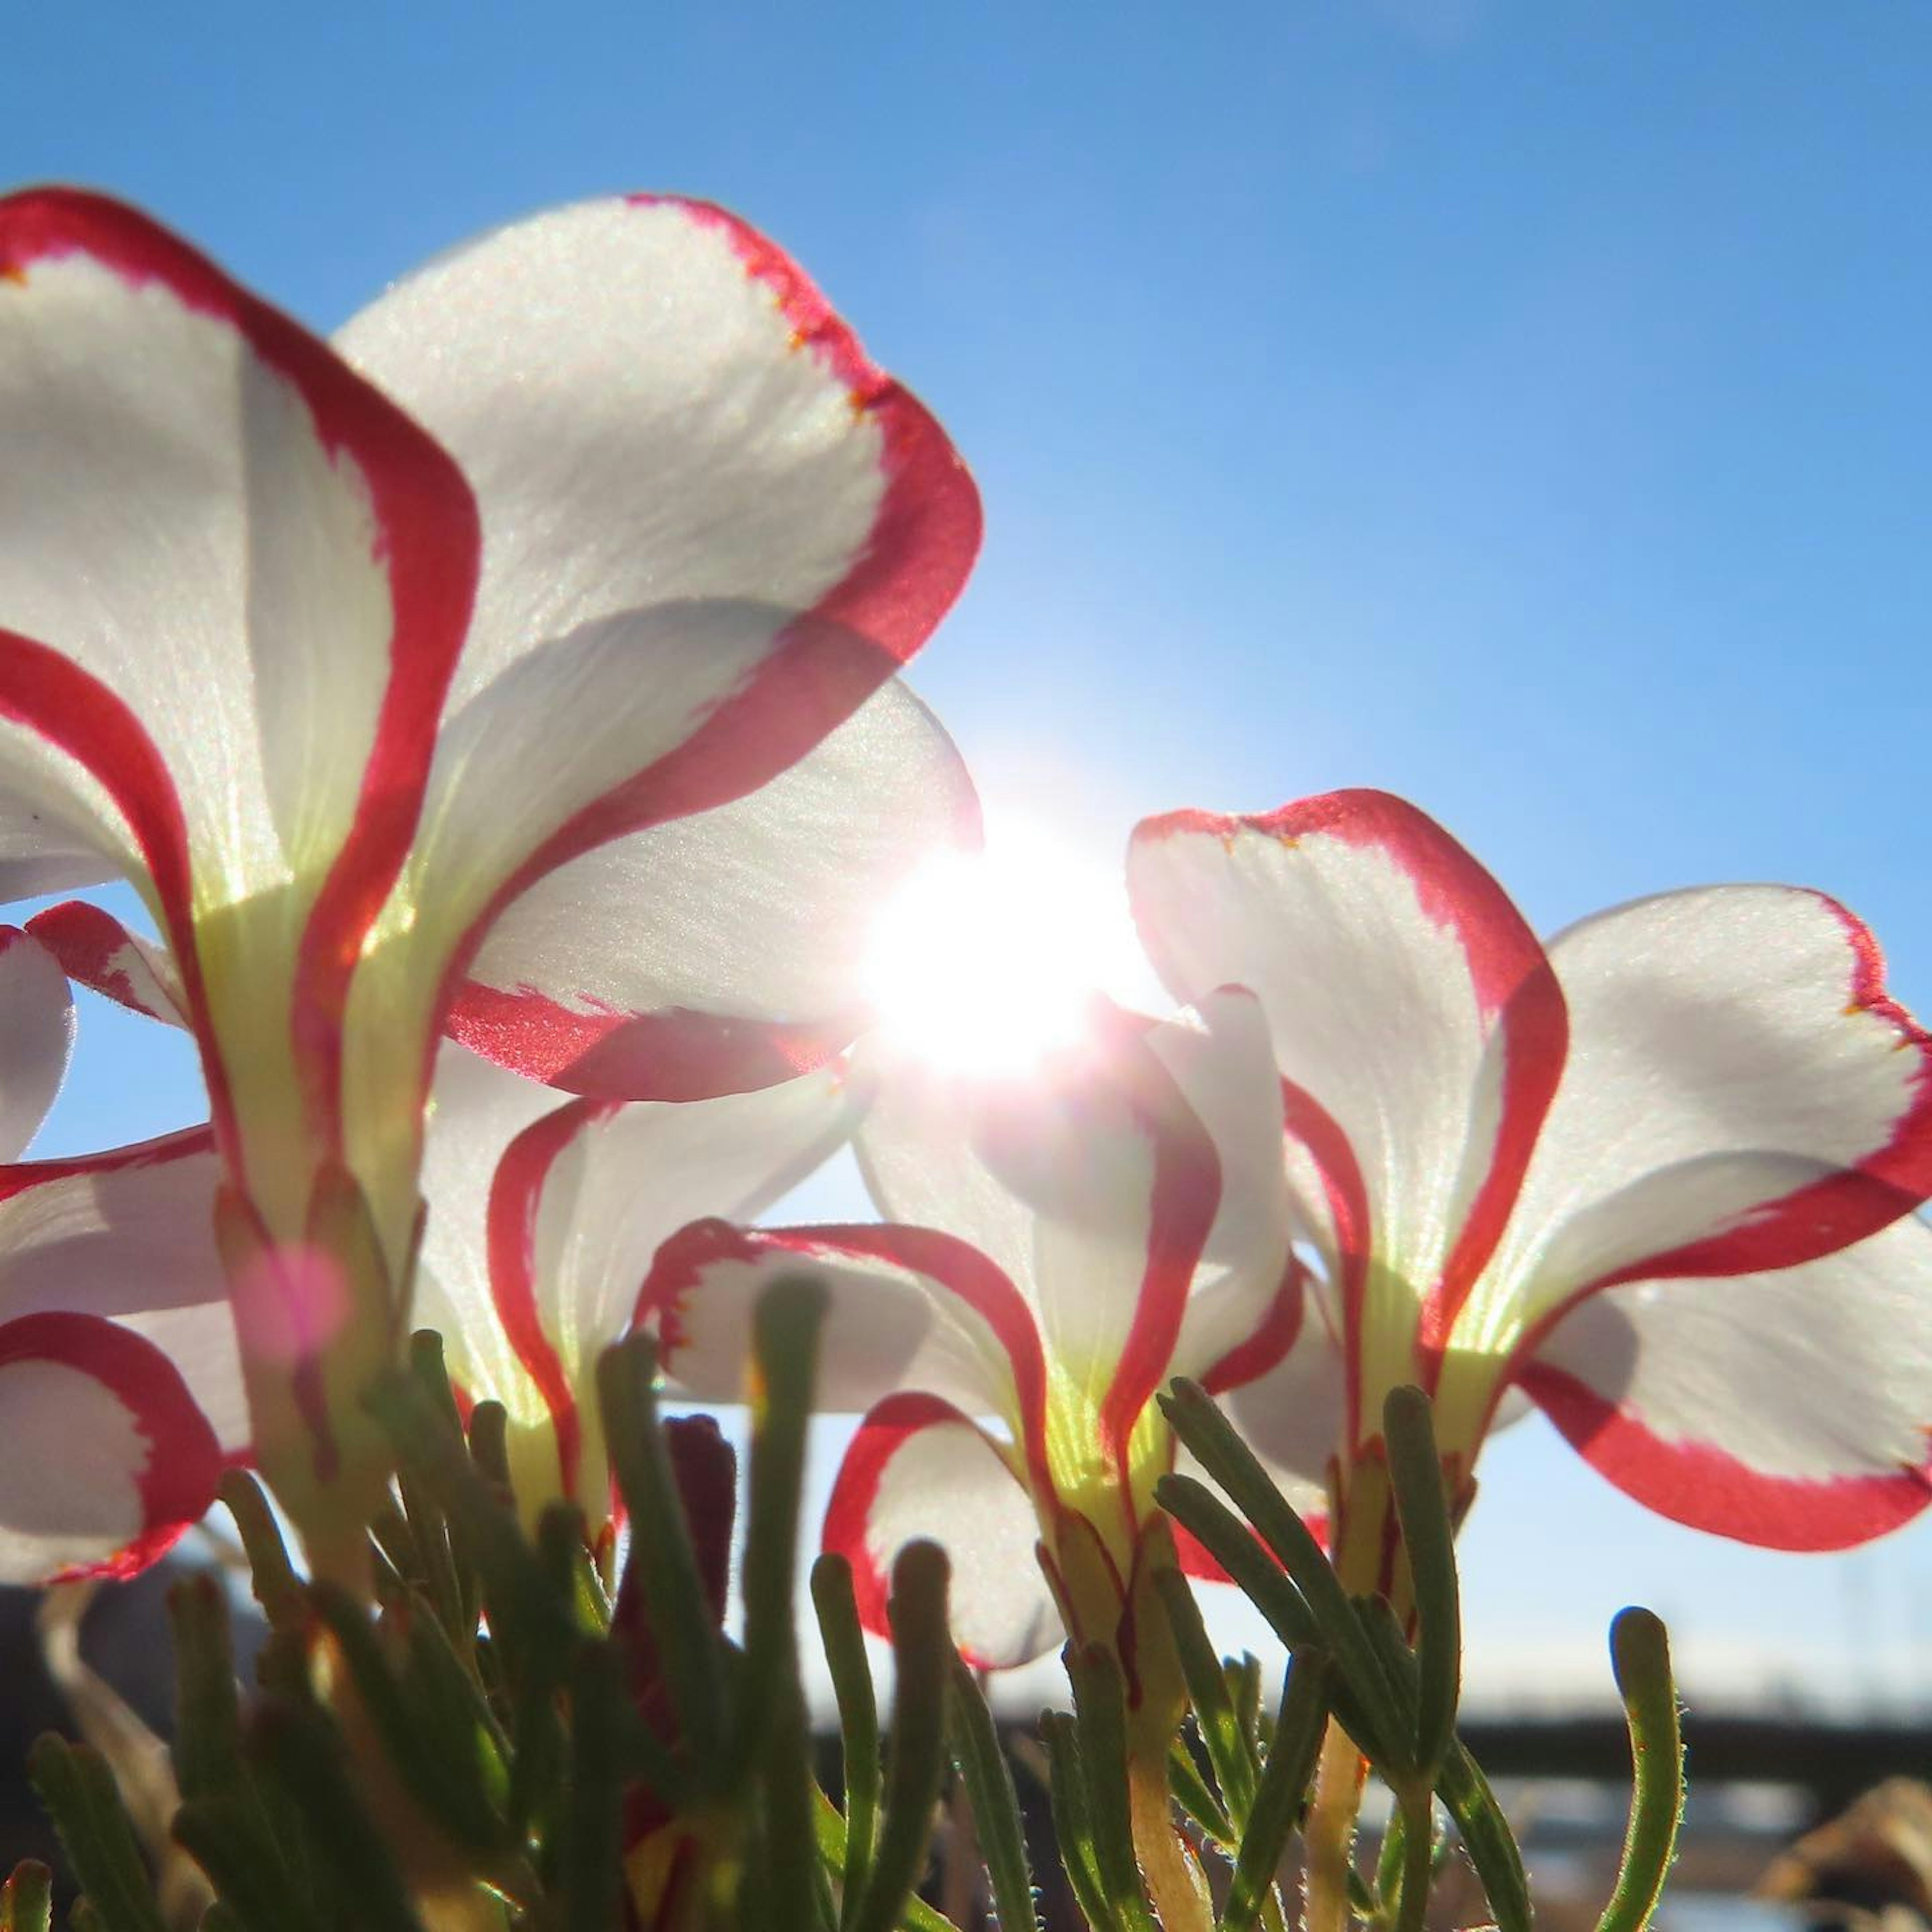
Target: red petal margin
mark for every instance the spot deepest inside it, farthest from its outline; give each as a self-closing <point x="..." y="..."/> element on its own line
<point x="184" y="1467"/>
<point x="429" y="544"/>
<point x="1515" y="986"/>
<point x="929" y="525"/>
<point x="676" y="1054"/>
<point x="888" y="1425"/>
<point x="21" y="1177"/>
<point x="1183" y="1202"/>
<point x="832" y="658"/>
<point x="677" y="1273"/>
<point x="92" y="948"/>
<point x="1700" y="1484"/>
<point x="516" y="1199"/>
<point x="1832" y="1212"/>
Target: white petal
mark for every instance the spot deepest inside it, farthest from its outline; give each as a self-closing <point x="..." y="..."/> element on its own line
<point x="916" y="1469"/>
<point x="1225" y="1067"/>
<point x="1740" y="1093"/>
<point x="107" y="1459"/>
<point x="222" y="549"/>
<point x="543" y="1221"/>
<point x="654" y="405"/>
<point x="1295" y="1418"/>
<point x="906" y="1308"/>
<point x="721" y="951"/>
<point x="1414" y="1016"/>
<point x="128" y="1235"/>
<point x="1089" y="1183"/>
<point x="476" y="1110"/>
<point x="36" y="1037"/>
<point x="1789" y="1409"/>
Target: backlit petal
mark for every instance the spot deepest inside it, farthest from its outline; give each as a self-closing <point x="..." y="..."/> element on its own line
<point x="1416" y="1025"/>
<point x="1741" y="1093"/>
<point x="108" y="1460"/>
<point x="1789" y="1409"/>
<point x="1088" y="1180"/>
<point x="128" y="1235"/>
<point x="908" y="1308"/>
<point x="723" y="951"/>
<point x="36" y="1037"/>
<point x="918" y="1468"/>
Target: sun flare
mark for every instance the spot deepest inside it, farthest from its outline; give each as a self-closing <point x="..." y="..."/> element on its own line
<point x="988" y="960"/>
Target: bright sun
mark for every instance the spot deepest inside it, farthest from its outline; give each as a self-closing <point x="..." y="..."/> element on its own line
<point x="986" y="961"/>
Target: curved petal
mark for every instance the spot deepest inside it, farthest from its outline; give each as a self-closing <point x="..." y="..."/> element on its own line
<point x="234" y="582"/>
<point x="1741" y="1094"/>
<point x="476" y="1110"/>
<point x="108" y="1460"/>
<point x="1089" y="1183"/>
<point x="95" y="950"/>
<point x="532" y="1276"/>
<point x="36" y="857"/>
<point x="128" y="1236"/>
<point x="726" y="950"/>
<point x="655" y="406"/>
<point x="1790" y="1409"/>
<point x="712" y="528"/>
<point x="918" y="1468"/>
<point x="1245" y="1305"/>
<point x="1295" y="1416"/>
<point x="906" y="1307"/>
<point x="1418" y="1028"/>
<point x="36" y="1037"/>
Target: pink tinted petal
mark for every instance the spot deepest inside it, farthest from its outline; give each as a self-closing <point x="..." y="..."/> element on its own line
<point x="108" y="1459"/>
<point x="919" y="1469"/>
<point x="1788" y="1409"/>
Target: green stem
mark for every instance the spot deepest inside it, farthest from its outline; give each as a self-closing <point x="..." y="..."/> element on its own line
<point x="1418" y="1849"/>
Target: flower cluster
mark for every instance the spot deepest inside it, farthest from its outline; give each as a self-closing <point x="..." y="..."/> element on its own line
<point x="495" y="712"/>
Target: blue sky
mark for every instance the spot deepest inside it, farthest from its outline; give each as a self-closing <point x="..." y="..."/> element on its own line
<point x="1521" y="407"/>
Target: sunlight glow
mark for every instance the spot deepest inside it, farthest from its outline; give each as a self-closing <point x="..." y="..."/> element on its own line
<point x="987" y="961"/>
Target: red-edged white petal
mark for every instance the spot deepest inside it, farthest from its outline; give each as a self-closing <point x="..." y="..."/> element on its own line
<point x="108" y="1459"/>
<point x="712" y="527"/>
<point x="918" y="1468"/>
<point x="95" y="950"/>
<point x="655" y="406"/>
<point x="476" y="1111"/>
<point x="726" y="950"/>
<point x="36" y="1037"/>
<point x="128" y="1235"/>
<point x="1245" y="1305"/>
<point x="1090" y="1182"/>
<point x="908" y="1308"/>
<point x="1789" y="1409"/>
<point x="533" y="1275"/>
<point x="234" y="581"/>
<point x="1295" y="1416"/>
<point x="1741" y="1094"/>
<point x="1418" y="1029"/>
